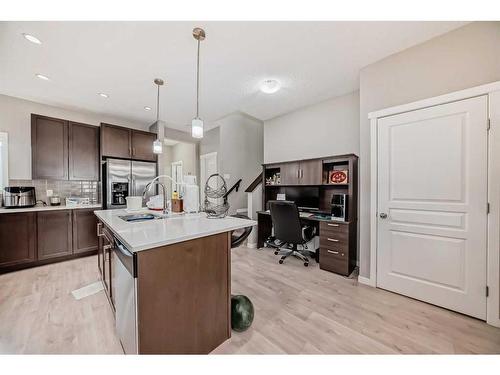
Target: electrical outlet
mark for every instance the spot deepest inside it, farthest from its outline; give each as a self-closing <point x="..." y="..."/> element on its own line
<point x="49" y="193"/>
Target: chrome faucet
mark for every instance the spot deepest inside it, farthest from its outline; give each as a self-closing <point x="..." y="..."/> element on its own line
<point x="148" y="187"/>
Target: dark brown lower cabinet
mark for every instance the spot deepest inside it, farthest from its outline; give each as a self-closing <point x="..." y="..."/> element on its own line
<point x="54" y="234"/>
<point x="84" y="231"/>
<point x="29" y="239"/>
<point x="17" y="239"/>
<point x="104" y="259"/>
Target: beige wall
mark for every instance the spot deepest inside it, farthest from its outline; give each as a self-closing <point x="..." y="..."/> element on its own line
<point x="186" y="152"/>
<point x="15" y="119"/>
<point x="327" y="128"/>
<point x="463" y="58"/>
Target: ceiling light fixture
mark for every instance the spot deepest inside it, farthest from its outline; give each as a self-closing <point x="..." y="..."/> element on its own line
<point x="146" y="108"/>
<point x="157" y="145"/>
<point x="103" y="95"/>
<point x="197" y="122"/>
<point x="270" y="86"/>
<point x="41" y="76"/>
<point x="32" y="39"/>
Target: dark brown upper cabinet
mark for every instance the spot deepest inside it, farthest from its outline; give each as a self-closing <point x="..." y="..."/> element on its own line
<point x="142" y="145"/>
<point x="54" y="234"/>
<point x="62" y="150"/>
<point x="304" y="172"/>
<point x="49" y="148"/>
<point x="18" y="240"/>
<point x="115" y="141"/>
<point x="311" y="172"/>
<point x="289" y="173"/>
<point x="125" y="143"/>
<point x="83" y="152"/>
<point x="84" y="231"/>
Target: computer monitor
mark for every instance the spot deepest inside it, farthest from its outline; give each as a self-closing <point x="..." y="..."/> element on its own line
<point x="304" y="196"/>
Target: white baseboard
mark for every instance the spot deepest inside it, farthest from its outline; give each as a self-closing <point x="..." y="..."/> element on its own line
<point x="366" y="281"/>
<point x="252" y="245"/>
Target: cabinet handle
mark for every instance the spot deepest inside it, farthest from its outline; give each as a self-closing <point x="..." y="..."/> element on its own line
<point x="332" y="240"/>
<point x="333" y="225"/>
<point x="133" y="151"/>
<point x="99" y="227"/>
<point x="335" y="252"/>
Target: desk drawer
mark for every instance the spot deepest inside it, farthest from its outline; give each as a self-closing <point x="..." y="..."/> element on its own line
<point x="333" y="239"/>
<point x="333" y="227"/>
<point x="334" y="262"/>
<point x="339" y="253"/>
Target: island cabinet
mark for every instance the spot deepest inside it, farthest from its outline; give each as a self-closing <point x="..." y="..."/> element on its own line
<point x="17" y="239"/>
<point x="63" y="150"/>
<point x="125" y="143"/>
<point x="172" y="299"/>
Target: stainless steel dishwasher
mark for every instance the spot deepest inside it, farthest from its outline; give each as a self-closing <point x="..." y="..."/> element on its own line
<point x="124" y="281"/>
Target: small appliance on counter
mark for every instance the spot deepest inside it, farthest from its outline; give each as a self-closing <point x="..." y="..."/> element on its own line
<point x="339" y="207"/>
<point x="19" y="196"/>
<point x="77" y="201"/>
<point x="55" y="200"/>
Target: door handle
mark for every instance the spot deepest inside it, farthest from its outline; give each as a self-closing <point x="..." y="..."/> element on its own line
<point x="383" y="215"/>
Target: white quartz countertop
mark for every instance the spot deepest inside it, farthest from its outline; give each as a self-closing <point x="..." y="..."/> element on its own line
<point x="4" y="210"/>
<point x="138" y="236"/>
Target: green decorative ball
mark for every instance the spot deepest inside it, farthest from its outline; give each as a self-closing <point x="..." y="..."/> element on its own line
<point x="241" y="313"/>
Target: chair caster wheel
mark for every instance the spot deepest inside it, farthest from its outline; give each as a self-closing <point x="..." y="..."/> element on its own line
<point x="280" y="261"/>
<point x="306" y="264"/>
<point x="276" y="253"/>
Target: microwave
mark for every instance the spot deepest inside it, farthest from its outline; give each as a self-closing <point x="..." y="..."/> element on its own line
<point x="339" y="207"/>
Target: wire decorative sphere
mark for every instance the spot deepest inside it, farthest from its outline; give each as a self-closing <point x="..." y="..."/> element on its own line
<point x="215" y="189"/>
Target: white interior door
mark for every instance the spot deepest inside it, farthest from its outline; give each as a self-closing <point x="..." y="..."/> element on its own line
<point x="208" y="166"/>
<point x="432" y="185"/>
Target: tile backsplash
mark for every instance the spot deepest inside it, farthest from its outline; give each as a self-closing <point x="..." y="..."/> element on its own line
<point x="63" y="188"/>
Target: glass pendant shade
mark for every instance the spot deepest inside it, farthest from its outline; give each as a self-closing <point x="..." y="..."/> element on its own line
<point x="197" y="128"/>
<point x="157" y="147"/>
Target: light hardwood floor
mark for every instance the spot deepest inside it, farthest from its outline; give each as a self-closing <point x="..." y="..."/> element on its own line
<point x="297" y="310"/>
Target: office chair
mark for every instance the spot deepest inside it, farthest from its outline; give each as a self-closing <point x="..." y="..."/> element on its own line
<point x="288" y="230"/>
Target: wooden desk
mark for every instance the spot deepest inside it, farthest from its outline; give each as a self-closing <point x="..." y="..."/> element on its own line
<point x="337" y="241"/>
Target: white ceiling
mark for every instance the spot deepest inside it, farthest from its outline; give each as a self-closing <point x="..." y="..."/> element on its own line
<point x="313" y="60"/>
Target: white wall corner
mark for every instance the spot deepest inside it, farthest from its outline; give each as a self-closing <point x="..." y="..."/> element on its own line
<point x="366" y="281"/>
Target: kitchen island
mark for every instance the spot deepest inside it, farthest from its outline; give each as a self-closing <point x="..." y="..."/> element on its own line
<point x="168" y="280"/>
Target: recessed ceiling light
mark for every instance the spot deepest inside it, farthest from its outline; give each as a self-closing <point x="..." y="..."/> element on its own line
<point x="270" y="86"/>
<point x="32" y="39"/>
<point x="103" y="95"/>
<point x="146" y="108"/>
<point x="41" y="76"/>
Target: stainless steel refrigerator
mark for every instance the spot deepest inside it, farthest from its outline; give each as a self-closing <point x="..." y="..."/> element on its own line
<point x="123" y="178"/>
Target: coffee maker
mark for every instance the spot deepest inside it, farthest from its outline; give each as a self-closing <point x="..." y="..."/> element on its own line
<point x="339" y="207"/>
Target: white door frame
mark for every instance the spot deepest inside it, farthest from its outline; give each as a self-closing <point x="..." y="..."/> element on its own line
<point x="202" y="183"/>
<point x="493" y="250"/>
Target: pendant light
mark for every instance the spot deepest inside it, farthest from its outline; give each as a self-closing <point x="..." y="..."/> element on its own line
<point x="197" y="123"/>
<point x="157" y="145"/>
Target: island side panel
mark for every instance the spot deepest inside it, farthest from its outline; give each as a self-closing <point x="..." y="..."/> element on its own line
<point x="184" y="296"/>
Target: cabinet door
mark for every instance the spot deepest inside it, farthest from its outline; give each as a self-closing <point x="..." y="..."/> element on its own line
<point x="84" y="231"/>
<point x="17" y="238"/>
<point x="289" y="173"/>
<point x="142" y="145"/>
<point x="49" y="148"/>
<point x="54" y="234"/>
<point x="311" y="172"/>
<point x="83" y="152"/>
<point x="100" y="250"/>
<point x="115" y="141"/>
